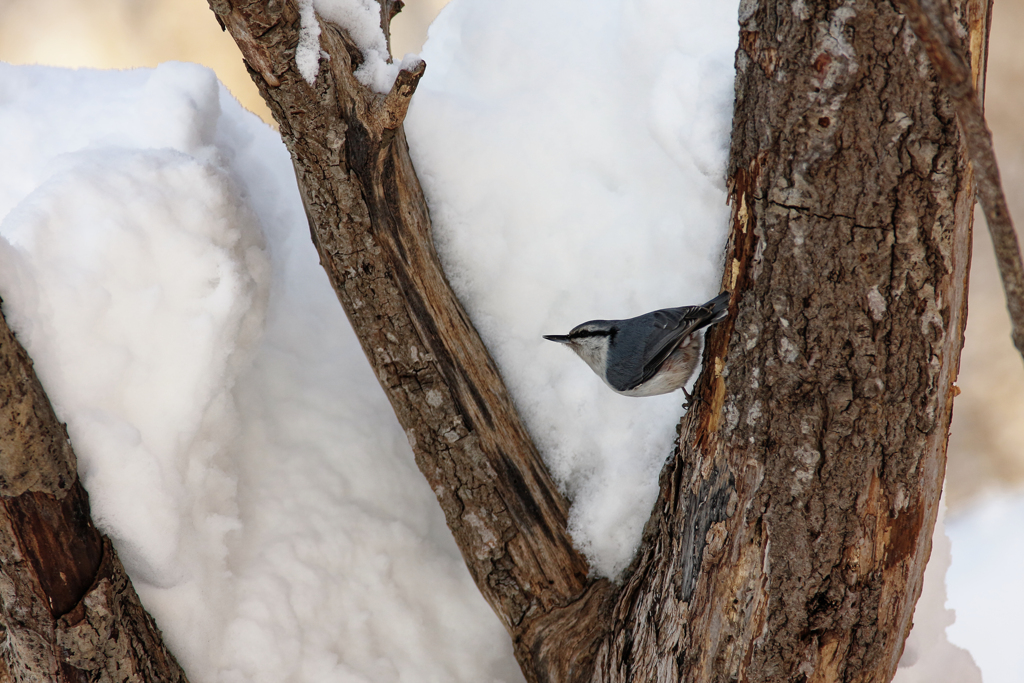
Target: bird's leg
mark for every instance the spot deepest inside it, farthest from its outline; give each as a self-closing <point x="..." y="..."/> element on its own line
<point x="689" y="398"/>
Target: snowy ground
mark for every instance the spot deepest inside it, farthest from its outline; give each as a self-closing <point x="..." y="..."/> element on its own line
<point x="156" y="262"/>
<point x="986" y="585"/>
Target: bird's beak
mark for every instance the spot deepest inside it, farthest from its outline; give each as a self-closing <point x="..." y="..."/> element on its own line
<point x="560" y="338"/>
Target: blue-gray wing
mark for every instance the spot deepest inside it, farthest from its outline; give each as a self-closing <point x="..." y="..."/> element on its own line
<point x="670" y="326"/>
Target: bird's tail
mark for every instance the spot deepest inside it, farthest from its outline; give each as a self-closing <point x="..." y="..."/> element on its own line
<point x="717" y="309"/>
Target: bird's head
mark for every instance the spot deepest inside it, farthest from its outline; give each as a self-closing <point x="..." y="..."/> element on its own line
<point x="590" y="342"/>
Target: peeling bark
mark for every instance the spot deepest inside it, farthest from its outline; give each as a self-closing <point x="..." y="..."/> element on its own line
<point x="68" y="611"/>
<point x="790" y="536"/>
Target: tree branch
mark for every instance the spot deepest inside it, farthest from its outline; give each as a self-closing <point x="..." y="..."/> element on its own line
<point x="69" y="610"/>
<point x="371" y="226"/>
<point x="931" y="21"/>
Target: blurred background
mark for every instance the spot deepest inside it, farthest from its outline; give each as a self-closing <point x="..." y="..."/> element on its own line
<point x="986" y="447"/>
<point x="121" y="34"/>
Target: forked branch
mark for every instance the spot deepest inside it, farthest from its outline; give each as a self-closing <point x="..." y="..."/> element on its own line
<point x="792" y="527"/>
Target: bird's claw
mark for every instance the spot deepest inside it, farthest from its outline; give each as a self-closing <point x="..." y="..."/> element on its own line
<point x="690" y="398"/>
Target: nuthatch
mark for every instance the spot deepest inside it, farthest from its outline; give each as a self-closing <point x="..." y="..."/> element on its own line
<point x="652" y="354"/>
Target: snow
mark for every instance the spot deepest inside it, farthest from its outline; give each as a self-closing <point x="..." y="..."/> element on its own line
<point x="307" y="53"/>
<point x="156" y="263"/>
<point x="986" y="584"/>
<point x="575" y="175"/>
<point x="361" y="20"/>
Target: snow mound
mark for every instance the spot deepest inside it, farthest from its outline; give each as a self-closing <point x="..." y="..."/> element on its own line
<point x="573" y="175"/>
<point x="156" y="262"/>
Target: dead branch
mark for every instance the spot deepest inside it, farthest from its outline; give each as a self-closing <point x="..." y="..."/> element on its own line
<point x="931" y="21"/>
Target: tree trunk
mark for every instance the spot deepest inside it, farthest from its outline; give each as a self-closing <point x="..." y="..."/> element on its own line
<point x="794" y="525"/>
<point x="69" y="612"/>
<point x="794" y="522"/>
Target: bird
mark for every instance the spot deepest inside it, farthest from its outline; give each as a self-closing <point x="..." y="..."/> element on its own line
<point x="651" y="354"/>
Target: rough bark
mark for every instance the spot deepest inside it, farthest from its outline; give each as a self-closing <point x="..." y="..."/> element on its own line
<point x="793" y="525"/>
<point x="68" y="611"/>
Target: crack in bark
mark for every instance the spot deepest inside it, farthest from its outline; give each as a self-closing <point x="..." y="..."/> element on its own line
<point x="824" y="217"/>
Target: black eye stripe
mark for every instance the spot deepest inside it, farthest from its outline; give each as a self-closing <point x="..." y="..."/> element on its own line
<point x="578" y="334"/>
